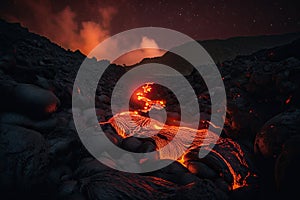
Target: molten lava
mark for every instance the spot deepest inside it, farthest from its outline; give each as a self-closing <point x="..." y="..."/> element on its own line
<point x="51" y="108"/>
<point x="131" y="124"/>
<point x="239" y="159"/>
<point x="148" y="104"/>
<point x="171" y="146"/>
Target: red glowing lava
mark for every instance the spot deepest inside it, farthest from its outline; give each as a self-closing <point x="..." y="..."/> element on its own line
<point x="142" y="94"/>
<point x="131" y="123"/>
<point x="172" y="147"/>
<point x="51" y="108"/>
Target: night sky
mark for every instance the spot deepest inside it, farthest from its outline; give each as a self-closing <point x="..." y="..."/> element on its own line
<point x="82" y="24"/>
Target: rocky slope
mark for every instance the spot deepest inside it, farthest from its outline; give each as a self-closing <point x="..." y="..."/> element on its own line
<point x="228" y="49"/>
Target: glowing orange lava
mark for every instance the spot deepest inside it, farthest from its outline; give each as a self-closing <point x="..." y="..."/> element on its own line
<point x="51" y="108"/>
<point x="148" y="103"/>
<point x="146" y="127"/>
<point x="204" y="138"/>
<point x="182" y="160"/>
<point x="237" y="182"/>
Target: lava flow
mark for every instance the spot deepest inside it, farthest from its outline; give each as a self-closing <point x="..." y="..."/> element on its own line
<point x="236" y="157"/>
<point x="229" y="153"/>
<point x="131" y="124"/>
<point x="148" y="104"/>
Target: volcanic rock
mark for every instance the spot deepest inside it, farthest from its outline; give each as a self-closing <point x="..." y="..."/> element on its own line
<point x="287" y="165"/>
<point x="201" y="170"/>
<point x="131" y="144"/>
<point x="96" y="181"/>
<point x="147" y="146"/>
<point x="42" y="126"/>
<point x="29" y="100"/>
<point x="175" y="173"/>
<point x="24" y="160"/>
<point x="276" y="132"/>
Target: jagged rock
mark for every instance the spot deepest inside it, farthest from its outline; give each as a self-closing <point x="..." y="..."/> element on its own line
<point x="29" y="100"/>
<point x="147" y="146"/>
<point x="222" y="185"/>
<point x="23" y="160"/>
<point x="201" y="170"/>
<point x="62" y="149"/>
<point x="275" y="132"/>
<point x="104" y="99"/>
<point x="57" y="174"/>
<point x="199" y="190"/>
<point x="176" y="173"/>
<point x="96" y="181"/>
<point x="131" y="144"/>
<point x="43" y="83"/>
<point x="43" y="126"/>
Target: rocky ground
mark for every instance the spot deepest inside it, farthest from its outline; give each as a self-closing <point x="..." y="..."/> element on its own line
<point x="41" y="156"/>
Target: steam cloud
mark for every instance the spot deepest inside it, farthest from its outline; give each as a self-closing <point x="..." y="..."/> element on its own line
<point x="147" y="48"/>
<point x="64" y="28"/>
